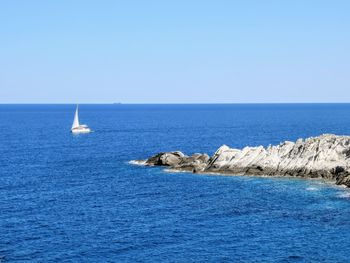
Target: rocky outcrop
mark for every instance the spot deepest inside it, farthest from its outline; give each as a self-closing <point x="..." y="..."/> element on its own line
<point x="326" y="156"/>
<point x="177" y="160"/>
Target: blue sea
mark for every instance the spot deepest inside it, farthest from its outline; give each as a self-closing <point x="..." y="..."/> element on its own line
<point x="76" y="198"/>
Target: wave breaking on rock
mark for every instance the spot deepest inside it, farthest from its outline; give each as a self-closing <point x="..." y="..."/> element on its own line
<point x="326" y="156"/>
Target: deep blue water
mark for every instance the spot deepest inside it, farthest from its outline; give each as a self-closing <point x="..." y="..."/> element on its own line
<point x="66" y="198"/>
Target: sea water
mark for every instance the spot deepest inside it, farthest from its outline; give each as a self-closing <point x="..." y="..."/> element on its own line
<point x="76" y="198"/>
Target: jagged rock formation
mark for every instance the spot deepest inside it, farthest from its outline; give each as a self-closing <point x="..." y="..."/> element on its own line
<point x="326" y="156"/>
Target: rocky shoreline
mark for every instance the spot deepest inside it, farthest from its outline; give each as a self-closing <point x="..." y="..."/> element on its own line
<point x="325" y="157"/>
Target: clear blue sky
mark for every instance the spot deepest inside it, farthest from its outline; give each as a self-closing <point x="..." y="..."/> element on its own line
<point x="174" y="51"/>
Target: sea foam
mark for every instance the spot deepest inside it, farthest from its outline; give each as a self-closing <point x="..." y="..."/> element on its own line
<point x="137" y="162"/>
<point x="344" y="195"/>
<point x="312" y="189"/>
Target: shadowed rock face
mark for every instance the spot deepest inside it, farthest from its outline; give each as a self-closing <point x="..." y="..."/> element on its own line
<point x="177" y="160"/>
<point x="326" y="156"/>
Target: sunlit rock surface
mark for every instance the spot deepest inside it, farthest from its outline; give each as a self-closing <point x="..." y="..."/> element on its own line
<point x="326" y="156"/>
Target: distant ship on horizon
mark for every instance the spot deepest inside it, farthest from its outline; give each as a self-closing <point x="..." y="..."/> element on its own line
<point x="79" y="128"/>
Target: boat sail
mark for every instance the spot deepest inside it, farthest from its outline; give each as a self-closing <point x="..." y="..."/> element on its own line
<point x="76" y="119"/>
<point x="76" y="127"/>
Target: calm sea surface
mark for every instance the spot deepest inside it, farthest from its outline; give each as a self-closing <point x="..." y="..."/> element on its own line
<point x="66" y="198"/>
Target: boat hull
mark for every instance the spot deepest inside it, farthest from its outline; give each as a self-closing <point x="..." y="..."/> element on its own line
<point x="80" y="130"/>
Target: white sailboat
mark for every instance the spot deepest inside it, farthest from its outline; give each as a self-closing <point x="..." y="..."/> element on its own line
<point x="79" y="128"/>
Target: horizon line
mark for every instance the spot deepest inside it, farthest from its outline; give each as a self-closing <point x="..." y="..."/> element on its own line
<point x="163" y="103"/>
